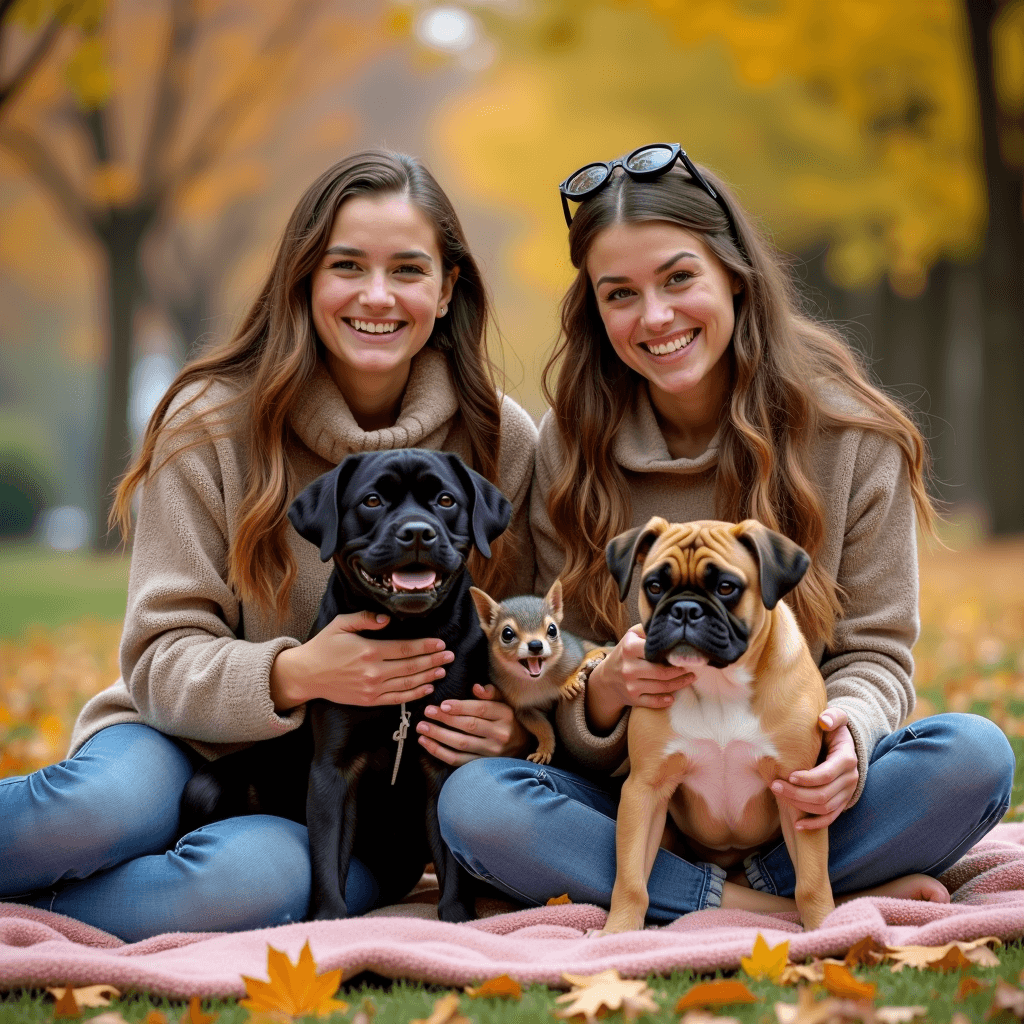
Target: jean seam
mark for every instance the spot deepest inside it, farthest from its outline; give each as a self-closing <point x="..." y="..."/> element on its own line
<point x="985" y="826"/>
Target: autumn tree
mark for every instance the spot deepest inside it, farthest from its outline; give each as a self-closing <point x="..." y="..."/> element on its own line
<point x="164" y="108"/>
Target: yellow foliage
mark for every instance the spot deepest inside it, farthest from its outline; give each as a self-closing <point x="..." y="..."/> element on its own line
<point x="294" y="989"/>
<point x="88" y="74"/>
<point x="766" y="961"/>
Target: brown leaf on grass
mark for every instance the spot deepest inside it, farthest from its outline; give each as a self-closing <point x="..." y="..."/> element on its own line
<point x="445" y="1011"/>
<point x="764" y="961"/>
<point x="715" y="993"/>
<point x="294" y="989"/>
<point x="840" y="982"/>
<point x="814" y="972"/>
<point x="842" y="1011"/>
<point x="502" y="987"/>
<point x="1006" y="997"/>
<point x="110" y="1017"/>
<point x="605" y="992"/>
<point x="942" y="958"/>
<point x="867" y="952"/>
<point x="66" y="1006"/>
<point x="194" y="1014"/>
<point x="89" y="995"/>
<point x="558" y="901"/>
<point x="155" y="1017"/>
<point x="967" y="987"/>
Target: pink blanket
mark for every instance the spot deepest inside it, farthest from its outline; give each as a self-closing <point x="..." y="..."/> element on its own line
<point x="38" y="948"/>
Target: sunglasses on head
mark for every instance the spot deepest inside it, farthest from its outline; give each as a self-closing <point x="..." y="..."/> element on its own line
<point x="643" y="164"/>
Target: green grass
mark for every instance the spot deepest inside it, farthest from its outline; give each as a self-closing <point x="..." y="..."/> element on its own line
<point x="403" y="1001"/>
<point x="51" y="588"/>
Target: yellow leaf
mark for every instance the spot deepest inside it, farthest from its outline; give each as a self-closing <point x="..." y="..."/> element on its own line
<point x="89" y="995"/>
<point x="501" y="986"/>
<point x="715" y="993"/>
<point x="840" y="982"/>
<point x="557" y="901"/>
<point x="194" y="1014"/>
<point x="66" y="1006"/>
<point x="294" y="989"/>
<point x="597" y="994"/>
<point x="765" y="962"/>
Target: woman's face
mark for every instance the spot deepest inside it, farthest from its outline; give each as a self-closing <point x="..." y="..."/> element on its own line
<point x="378" y="289"/>
<point x="667" y="304"/>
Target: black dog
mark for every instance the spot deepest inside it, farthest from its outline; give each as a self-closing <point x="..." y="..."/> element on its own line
<point x="399" y="526"/>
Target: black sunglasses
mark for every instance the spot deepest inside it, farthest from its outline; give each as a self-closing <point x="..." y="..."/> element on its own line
<point x="643" y="164"/>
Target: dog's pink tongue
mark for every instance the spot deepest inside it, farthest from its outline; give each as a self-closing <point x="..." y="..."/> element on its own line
<point x="534" y="666"/>
<point x="413" y="580"/>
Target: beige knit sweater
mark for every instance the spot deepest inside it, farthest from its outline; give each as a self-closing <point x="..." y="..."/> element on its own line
<point x="870" y="548"/>
<point x="195" y="663"/>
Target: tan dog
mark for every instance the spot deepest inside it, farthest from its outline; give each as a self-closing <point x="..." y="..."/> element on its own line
<point x="710" y="600"/>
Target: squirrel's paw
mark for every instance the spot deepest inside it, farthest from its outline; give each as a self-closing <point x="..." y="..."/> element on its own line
<point x="540" y="757"/>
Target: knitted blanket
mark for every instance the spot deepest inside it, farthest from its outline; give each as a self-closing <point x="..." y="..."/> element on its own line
<point x="38" y="948"/>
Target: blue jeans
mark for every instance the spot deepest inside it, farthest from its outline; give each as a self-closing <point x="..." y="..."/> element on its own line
<point x="96" y="838"/>
<point x="933" y="789"/>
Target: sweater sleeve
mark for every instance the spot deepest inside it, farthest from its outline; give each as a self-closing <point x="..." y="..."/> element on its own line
<point x="868" y="667"/>
<point x="515" y="475"/>
<point x="183" y="658"/>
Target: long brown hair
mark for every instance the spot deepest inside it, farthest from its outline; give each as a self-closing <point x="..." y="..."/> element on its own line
<point x="273" y="353"/>
<point x="781" y="363"/>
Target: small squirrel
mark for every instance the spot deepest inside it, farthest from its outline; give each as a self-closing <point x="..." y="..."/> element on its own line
<point x="533" y="662"/>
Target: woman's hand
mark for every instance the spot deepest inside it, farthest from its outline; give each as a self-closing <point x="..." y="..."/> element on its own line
<point x="463" y="730"/>
<point x="823" y="792"/>
<point x="624" y="679"/>
<point x="341" y="666"/>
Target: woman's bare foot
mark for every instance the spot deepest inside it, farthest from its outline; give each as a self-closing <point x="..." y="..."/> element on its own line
<point x="909" y="887"/>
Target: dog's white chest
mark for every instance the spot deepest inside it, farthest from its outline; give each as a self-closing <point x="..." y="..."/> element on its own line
<point x="713" y="725"/>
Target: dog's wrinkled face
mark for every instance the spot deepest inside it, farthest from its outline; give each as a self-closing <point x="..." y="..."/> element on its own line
<point x="705" y="586"/>
<point x="401" y="524"/>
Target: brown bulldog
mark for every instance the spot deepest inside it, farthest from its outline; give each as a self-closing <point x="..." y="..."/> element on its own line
<point x="710" y="601"/>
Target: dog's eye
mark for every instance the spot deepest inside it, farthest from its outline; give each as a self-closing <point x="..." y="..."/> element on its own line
<point x="372" y="501"/>
<point x="508" y="635"/>
<point x="726" y="589"/>
<point x="446" y="500"/>
<point x="552" y="631"/>
<point x="653" y="587"/>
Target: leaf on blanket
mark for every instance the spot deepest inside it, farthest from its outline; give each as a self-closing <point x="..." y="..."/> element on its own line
<point x="840" y="982"/>
<point x="943" y="958"/>
<point x="715" y="993"/>
<point x="558" y="901"/>
<point x="501" y="987"/>
<point x="867" y="952"/>
<point x="596" y="994"/>
<point x="294" y="989"/>
<point x="967" y="987"/>
<point x="66" y="1005"/>
<point x="764" y="961"/>
<point x="445" y="1011"/>
<point x="194" y="1014"/>
<point x="89" y="995"/>
<point x="1006" y="997"/>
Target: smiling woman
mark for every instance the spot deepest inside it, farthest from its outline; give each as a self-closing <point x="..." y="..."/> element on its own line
<point x="368" y="335"/>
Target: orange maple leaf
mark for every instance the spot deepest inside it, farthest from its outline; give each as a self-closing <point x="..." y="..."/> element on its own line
<point x="501" y="986"/>
<point x="66" y="1006"/>
<point x="715" y="993"/>
<point x="764" y="961"/>
<point x="194" y="1014"/>
<point x="840" y="982"/>
<point x="557" y="901"/>
<point x="967" y="987"/>
<point x="294" y="989"/>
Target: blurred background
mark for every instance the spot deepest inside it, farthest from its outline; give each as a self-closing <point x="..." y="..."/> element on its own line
<point x="151" y="151"/>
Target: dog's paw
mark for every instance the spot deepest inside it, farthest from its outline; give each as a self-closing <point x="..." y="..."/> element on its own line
<point x="540" y="757"/>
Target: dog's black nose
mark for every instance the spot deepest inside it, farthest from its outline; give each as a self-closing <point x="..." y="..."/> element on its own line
<point x="690" y="611"/>
<point x="535" y="646"/>
<point x="418" y="533"/>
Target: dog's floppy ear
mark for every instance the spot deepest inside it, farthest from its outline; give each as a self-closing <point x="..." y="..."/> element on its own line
<point x="781" y="563"/>
<point x="314" y="513"/>
<point x="490" y="511"/>
<point x="625" y="550"/>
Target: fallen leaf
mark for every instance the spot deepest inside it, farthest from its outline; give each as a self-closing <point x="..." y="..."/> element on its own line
<point x="967" y="987"/>
<point x="558" y="901"/>
<point x="935" y="957"/>
<point x="715" y="993"/>
<point x="606" y="991"/>
<point x="89" y="995"/>
<point x="156" y="1017"/>
<point x="842" y="1011"/>
<point x="110" y="1017"/>
<point x="814" y="972"/>
<point x="867" y="952"/>
<point x="958" y="1018"/>
<point x="366" y="1012"/>
<point x="899" y="1014"/>
<point x="294" y="989"/>
<point x="841" y="983"/>
<point x="446" y="1011"/>
<point x="701" y="1017"/>
<point x="764" y="961"/>
<point x="1006" y="997"/>
<point x="66" y="1006"/>
<point x="500" y="987"/>
<point x="194" y="1014"/>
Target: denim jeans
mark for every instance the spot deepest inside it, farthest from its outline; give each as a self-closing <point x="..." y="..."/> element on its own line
<point x="933" y="789"/>
<point x="96" y="838"/>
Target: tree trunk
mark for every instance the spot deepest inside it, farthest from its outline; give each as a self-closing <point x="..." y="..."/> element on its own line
<point x="1002" y="450"/>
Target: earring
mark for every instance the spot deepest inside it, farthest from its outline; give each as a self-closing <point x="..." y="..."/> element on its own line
<point x="442" y="311"/>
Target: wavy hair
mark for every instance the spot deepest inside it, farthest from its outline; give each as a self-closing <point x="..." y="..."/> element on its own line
<point x="273" y="353"/>
<point x="782" y="363"/>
